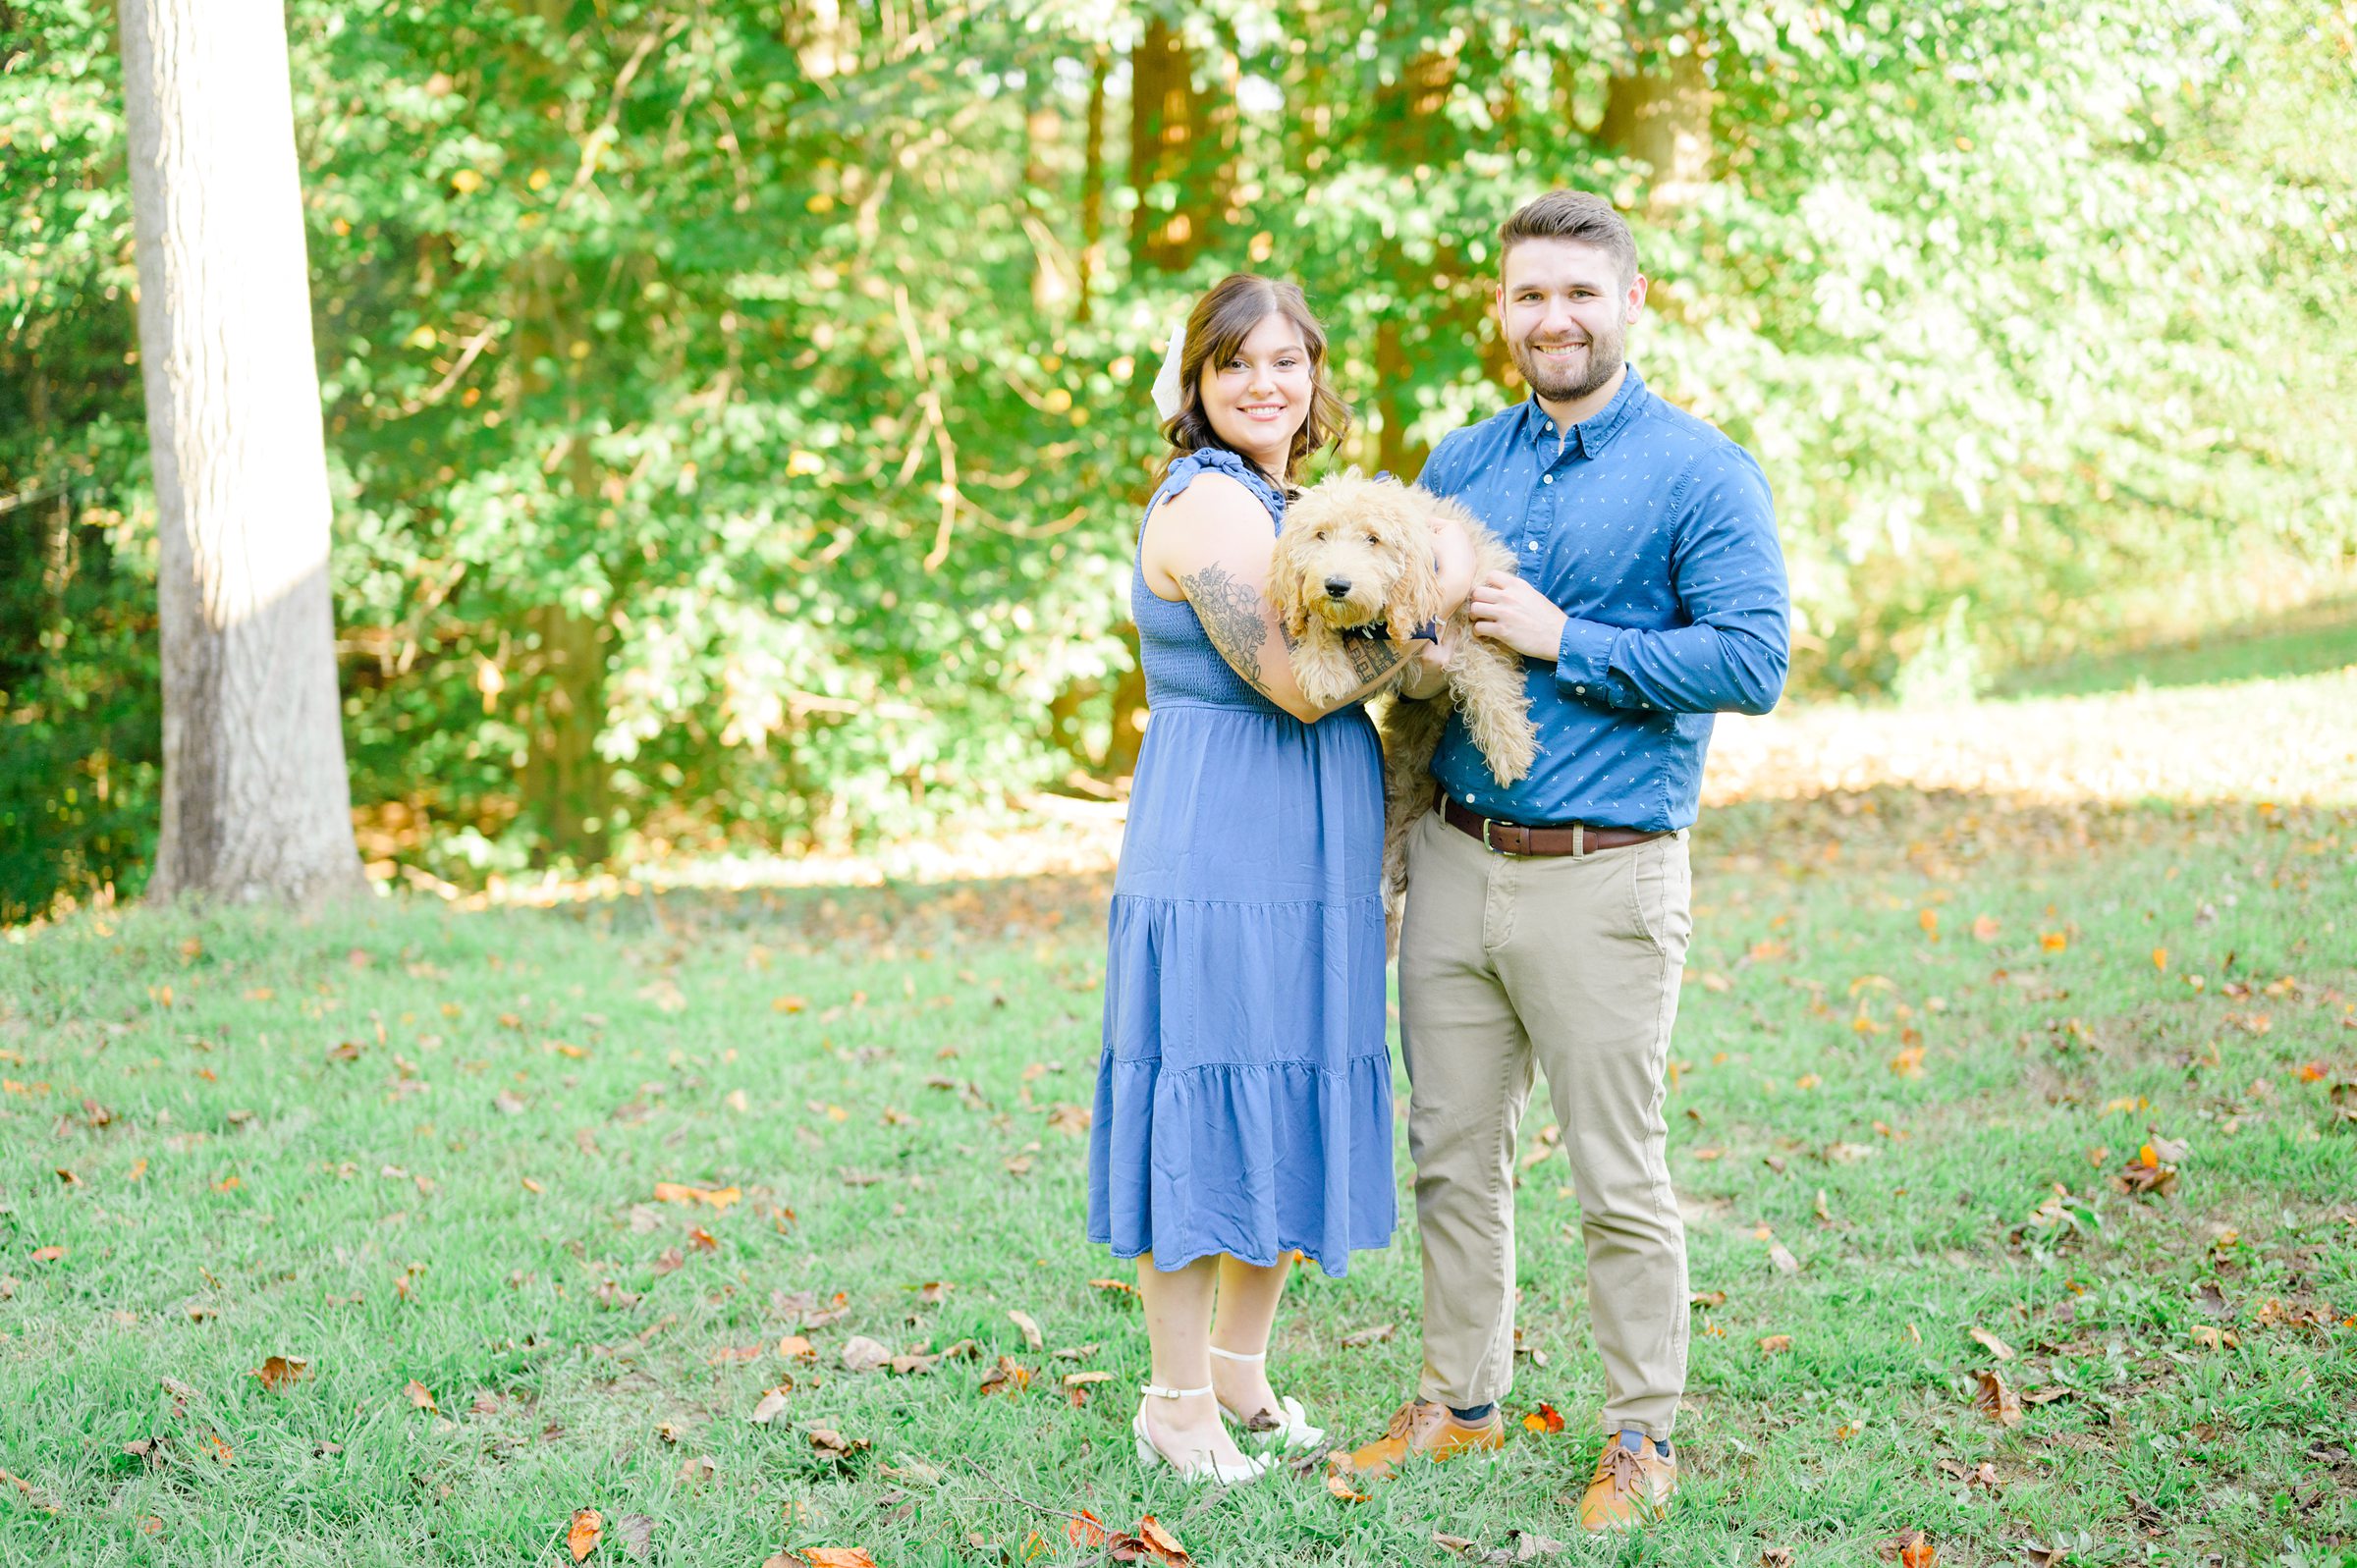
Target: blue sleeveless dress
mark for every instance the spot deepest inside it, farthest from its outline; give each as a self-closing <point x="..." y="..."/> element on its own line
<point x="1244" y="1089"/>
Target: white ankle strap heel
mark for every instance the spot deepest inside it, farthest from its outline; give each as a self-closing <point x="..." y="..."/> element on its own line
<point x="1202" y="1469"/>
<point x="1291" y="1431"/>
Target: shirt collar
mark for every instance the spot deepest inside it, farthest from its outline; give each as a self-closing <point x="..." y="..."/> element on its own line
<point x="1594" y="433"/>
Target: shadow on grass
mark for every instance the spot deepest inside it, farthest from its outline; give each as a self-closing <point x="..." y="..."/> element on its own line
<point x="2310" y="640"/>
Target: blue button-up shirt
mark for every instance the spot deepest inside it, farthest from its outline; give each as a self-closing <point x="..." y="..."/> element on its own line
<point x="1653" y="532"/>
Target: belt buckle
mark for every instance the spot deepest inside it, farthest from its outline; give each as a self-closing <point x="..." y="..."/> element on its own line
<point x="1490" y="843"/>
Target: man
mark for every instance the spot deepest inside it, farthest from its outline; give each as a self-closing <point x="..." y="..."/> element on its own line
<point x="1547" y="923"/>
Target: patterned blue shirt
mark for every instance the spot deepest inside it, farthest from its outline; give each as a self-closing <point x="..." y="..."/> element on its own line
<point x="1655" y="533"/>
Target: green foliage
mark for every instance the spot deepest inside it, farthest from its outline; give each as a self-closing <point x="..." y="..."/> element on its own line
<point x="738" y="415"/>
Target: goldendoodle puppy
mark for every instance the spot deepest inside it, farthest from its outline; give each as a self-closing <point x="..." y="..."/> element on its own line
<point x="1357" y="554"/>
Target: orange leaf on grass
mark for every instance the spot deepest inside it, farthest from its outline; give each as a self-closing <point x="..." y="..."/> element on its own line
<point x="582" y="1535"/>
<point x="676" y="1192"/>
<point x="1119" y="1287"/>
<point x="1086" y="1530"/>
<point x="1910" y="1549"/>
<point x="1984" y="929"/>
<point x="1009" y="1377"/>
<point x="277" y="1372"/>
<point x="1149" y="1543"/>
<point x="833" y="1557"/>
<point x="1543" y="1418"/>
<point x="420" y="1397"/>
<point x="47" y="1254"/>
<point x="1344" y="1492"/>
<point x="1775" y="1344"/>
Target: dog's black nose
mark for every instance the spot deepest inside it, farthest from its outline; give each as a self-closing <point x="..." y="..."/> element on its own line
<point x="1337" y="587"/>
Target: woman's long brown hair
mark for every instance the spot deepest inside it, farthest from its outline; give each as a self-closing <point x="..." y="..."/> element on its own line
<point x="1216" y="329"/>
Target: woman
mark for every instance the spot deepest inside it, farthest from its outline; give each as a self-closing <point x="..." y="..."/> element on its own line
<point x="1244" y="1097"/>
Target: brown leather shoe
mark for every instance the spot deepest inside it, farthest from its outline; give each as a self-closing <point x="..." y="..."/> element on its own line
<point x="1422" y="1428"/>
<point x="1628" y="1488"/>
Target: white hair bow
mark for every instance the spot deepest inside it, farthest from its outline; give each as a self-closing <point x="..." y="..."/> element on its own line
<point x="1168" y="394"/>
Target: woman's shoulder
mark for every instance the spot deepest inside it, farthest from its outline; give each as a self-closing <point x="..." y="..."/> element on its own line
<point x="1231" y="478"/>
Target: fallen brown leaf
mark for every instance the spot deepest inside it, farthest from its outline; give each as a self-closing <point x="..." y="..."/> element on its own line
<point x="1543" y="1418"/>
<point x="1781" y="1255"/>
<point x="862" y="1353"/>
<point x="1030" y="1328"/>
<point x="418" y="1397"/>
<point x="582" y="1535"/>
<point x="1994" y="1400"/>
<point x="1119" y="1287"/>
<point x="1775" y="1344"/>
<point x="1991" y="1343"/>
<point x="833" y="1445"/>
<point x="1372" y="1334"/>
<point x="1148" y="1542"/>
<point x="771" y="1403"/>
<point x="638" y="1533"/>
<point x="835" y="1557"/>
<point x="793" y="1347"/>
<point x="1009" y="1377"/>
<point x="276" y="1372"/>
<point x="1086" y="1530"/>
<point x="47" y="1254"/>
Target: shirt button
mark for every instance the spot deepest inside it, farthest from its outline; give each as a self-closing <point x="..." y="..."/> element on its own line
<point x="1533" y="545"/>
<point x="1547" y="480"/>
<point x="1581" y="690"/>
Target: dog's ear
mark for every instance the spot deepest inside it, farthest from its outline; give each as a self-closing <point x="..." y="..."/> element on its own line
<point x="1416" y="600"/>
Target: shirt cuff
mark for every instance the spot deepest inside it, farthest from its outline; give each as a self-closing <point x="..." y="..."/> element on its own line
<point x="1584" y="665"/>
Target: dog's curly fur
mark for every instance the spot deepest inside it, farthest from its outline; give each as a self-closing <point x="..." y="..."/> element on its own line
<point x="1354" y="552"/>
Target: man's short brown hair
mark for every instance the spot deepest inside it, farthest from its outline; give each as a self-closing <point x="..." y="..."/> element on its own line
<point x="1575" y="215"/>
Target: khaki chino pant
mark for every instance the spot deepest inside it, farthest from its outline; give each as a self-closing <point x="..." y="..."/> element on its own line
<point x="1568" y="963"/>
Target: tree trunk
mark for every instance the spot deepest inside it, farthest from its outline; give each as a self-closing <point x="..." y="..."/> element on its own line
<point x="256" y="799"/>
<point x="565" y="781"/>
<point x="1410" y="139"/>
<point x="1092" y="185"/>
<point x="1661" y="116"/>
<point x="1181" y="137"/>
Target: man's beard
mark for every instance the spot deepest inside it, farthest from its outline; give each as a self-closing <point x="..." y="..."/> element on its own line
<point x="1570" y="385"/>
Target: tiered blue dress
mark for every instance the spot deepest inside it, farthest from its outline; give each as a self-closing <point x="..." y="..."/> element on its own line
<point x="1244" y="1092"/>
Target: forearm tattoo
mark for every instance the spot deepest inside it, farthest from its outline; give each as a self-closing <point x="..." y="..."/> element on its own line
<point x="1230" y="617"/>
<point x="1369" y="659"/>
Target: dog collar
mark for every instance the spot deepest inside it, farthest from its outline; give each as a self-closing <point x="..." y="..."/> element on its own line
<point x="1377" y="631"/>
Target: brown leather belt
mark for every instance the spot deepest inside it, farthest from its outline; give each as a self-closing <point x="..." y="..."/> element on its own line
<point x="1512" y="839"/>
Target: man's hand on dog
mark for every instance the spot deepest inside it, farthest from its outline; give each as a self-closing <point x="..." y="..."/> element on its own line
<point x="1510" y="610"/>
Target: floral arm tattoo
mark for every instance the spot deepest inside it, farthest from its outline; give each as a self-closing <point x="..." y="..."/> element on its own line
<point x="1230" y="617"/>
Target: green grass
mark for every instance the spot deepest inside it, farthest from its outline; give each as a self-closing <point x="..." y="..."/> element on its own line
<point x="379" y="1225"/>
<point x="2317" y="637"/>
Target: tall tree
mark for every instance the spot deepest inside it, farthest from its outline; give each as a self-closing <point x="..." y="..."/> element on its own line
<point x="256" y="799"/>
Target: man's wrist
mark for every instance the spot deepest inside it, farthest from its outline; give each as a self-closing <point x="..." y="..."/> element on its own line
<point x="1584" y="659"/>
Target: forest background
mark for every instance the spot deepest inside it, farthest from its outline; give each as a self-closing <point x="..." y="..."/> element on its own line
<point x="736" y="410"/>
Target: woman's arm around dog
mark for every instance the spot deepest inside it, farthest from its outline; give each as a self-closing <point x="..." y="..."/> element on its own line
<point x="1209" y="545"/>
